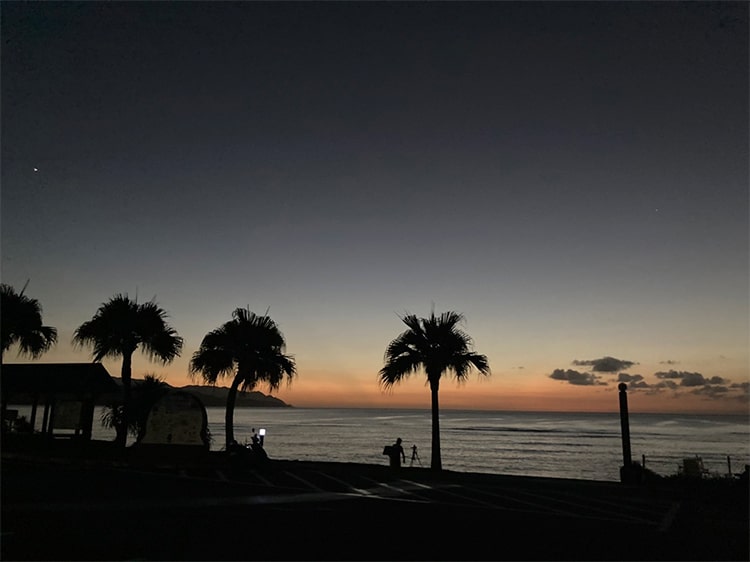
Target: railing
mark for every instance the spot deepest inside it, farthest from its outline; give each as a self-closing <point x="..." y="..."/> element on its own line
<point x="701" y="466"/>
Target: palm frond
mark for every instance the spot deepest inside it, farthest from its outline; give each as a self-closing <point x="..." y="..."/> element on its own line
<point x="120" y="325"/>
<point x="21" y="323"/>
<point x="248" y="346"/>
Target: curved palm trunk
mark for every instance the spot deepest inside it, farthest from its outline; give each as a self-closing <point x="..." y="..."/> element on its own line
<point x="126" y="375"/>
<point x="436" y="463"/>
<point x="229" y="414"/>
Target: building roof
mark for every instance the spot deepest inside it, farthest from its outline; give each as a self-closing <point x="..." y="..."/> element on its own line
<point x="56" y="378"/>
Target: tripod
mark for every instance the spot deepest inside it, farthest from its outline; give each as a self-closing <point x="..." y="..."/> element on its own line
<point x="414" y="456"/>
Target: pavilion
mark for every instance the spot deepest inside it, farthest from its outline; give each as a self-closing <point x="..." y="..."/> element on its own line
<point x="67" y="391"/>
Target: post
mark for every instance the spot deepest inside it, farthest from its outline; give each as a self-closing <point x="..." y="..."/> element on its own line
<point x="45" y="418"/>
<point x="34" y="406"/>
<point x="729" y="466"/>
<point x="627" y="473"/>
<point x="624" y="424"/>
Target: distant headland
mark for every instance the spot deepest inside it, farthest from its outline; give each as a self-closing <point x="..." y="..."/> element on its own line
<point x="216" y="396"/>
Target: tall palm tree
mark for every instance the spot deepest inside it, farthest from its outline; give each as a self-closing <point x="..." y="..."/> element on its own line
<point x="437" y="345"/>
<point x="118" y="328"/>
<point x="251" y="349"/>
<point x="21" y="323"/>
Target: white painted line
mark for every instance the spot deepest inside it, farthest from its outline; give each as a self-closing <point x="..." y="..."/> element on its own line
<point x="360" y="491"/>
<point x="265" y="481"/>
<point x="418" y="484"/>
<point x="668" y="519"/>
<point x="305" y="482"/>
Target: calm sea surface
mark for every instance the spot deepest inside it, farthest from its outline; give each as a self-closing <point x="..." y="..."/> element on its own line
<point x="586" y="446"/>
<point x="565" y="445"/>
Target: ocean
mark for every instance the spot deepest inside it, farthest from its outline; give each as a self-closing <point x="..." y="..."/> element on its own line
<point x="560" y="445"/>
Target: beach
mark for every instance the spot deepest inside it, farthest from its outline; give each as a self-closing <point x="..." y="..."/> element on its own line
<point x="208" y="507"/>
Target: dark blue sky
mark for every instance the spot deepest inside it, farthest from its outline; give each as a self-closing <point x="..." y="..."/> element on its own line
<point x="571" y="176"/>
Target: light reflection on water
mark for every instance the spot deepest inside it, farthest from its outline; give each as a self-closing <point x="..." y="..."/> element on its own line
<point x="562" y="445"/>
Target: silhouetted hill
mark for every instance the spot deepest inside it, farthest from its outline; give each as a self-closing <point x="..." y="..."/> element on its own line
<point x="217" y="396"/>
<point x="211" y="396"/>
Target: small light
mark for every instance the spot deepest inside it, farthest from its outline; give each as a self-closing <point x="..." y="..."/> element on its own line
<point x="262" y="432"/>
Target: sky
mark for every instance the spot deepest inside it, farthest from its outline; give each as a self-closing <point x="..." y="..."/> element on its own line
<point x="571" y="177"/>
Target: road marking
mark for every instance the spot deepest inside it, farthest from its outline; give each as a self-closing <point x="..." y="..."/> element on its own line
<point x="668" y="519"/>
<point x="263" y="480"/>
<point x="360" y="491"/>
<point x="305" y="482"/>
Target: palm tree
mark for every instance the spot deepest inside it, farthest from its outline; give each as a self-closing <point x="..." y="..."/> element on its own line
<point x="251" y="349"/>
<point x="144" y="394"/>
<point x="437" y="345"/>
<point x="118" y="328"/>
<point x="21" y="323"/>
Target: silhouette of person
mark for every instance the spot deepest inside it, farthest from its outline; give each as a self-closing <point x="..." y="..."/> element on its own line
<point x="414" y="455"/>
<point x="255" y="439"/>
<point x="397" y="454"/>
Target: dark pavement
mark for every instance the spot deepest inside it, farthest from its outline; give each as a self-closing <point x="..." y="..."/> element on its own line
<point x="290" y="510"/>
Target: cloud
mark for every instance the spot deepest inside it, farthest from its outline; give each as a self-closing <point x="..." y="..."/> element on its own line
<point x="677" y="383"/>
<point x="713" y="388"/>
<point x="743" y="388"/>
<point x="635" y="382"/>
<point x="639" y="385"/>
<point x="689" y="379"/>
<point x="711" y="391"/>
<point x="665" y="385"/>
<point x="576" y="377"/>
<point x="669" y="362"/>
<point x="605" y="364"/>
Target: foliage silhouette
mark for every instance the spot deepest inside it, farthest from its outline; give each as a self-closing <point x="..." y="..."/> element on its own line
<point x="21" y="324"/>
<point x="437" y="345"/>
<point x="251" y="349"/>
<point x="118" y="328"/>
<point x="144" y="394"/>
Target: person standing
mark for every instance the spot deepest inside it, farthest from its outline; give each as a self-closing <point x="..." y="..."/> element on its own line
<point x="397" y="454"/>
<point x="414" y="456"/>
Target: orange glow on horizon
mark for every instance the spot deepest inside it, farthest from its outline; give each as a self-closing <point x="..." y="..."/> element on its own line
<point x="318" y="389"/>
<point x="512" y="391"/>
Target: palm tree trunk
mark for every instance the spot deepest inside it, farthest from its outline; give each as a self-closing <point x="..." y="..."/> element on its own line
<point x="4" y="405"/>
<point x="125" y="375"/>
<point x="229" y="414"/>
<point x="436" y="463"/>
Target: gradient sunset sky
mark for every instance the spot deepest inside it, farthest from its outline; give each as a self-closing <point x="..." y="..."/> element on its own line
<point x="572" y="177"/>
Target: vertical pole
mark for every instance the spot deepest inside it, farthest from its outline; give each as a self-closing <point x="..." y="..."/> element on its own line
<point x="729" y="466"/>
<point x="624" y="425"/>
<point x="643" y="458"/>
<point x="87" y="417"/>
<point x="34" y="407"/>
<point x="45" y="418"/>
<point x="51" y="419"/>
